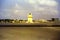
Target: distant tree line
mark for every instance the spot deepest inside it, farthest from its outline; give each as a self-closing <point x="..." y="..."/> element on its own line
<point x="6" y="20"/>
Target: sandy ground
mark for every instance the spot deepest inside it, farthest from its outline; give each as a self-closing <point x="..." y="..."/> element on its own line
<point x="29" y="33"/>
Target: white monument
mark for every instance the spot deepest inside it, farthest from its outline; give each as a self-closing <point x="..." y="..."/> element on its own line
<point x="30" y="20"/>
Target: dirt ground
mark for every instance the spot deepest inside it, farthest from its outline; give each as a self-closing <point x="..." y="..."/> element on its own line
<point x="29" y="33"/>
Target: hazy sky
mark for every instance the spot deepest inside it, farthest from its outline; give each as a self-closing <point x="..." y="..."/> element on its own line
<point x="18" y="9"/>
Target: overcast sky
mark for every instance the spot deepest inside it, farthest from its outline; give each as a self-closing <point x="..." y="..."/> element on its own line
<point x="40" y="9"/>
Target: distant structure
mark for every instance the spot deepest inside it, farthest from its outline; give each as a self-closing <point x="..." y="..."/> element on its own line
<point x="30" y="18"/>
<point x="55" y="19"/>
<point x="43" y="20"/>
